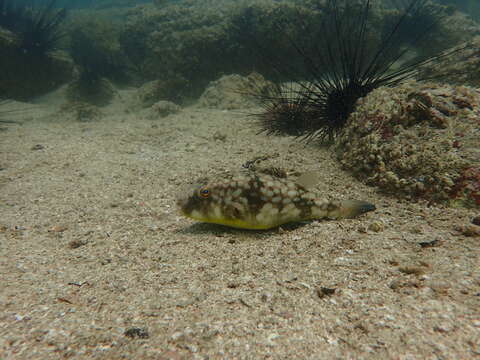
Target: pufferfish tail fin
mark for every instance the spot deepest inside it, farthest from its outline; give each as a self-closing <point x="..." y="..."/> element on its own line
<point x="348" y="209"/>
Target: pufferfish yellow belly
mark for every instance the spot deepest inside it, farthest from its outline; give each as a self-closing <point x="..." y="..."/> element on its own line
<point x="260" y="201"/>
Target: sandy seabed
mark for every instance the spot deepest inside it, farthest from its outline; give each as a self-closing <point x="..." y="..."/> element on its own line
<point x="97" y="263"/>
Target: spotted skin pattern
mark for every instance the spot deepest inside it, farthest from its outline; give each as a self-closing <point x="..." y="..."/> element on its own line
<point x="261" y="201"/>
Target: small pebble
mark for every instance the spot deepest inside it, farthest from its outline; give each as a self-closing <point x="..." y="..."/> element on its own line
<point x="428" y="244"/>
<point x="75" y="244"/>
<point x="409" y="270"/>
<point x="376" y="226"/>
<point x="219" y="136"/>
<point x="265" y="297"/>
<point x="177" y="336"/>
<point x="417" y="230"/>
<point x="362" y="229"/>
<point x="469" y="230"/>
<point x="323" y="292"/>
<point x="476" y="220"/>
<point x="402" y="284"/>
<point x="38" y="147"/>
<point x="57" y="228"/>
<point x="135" y="332"/>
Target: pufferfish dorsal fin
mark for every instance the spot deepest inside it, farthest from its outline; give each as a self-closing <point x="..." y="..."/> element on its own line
<point x="308" y="179"/>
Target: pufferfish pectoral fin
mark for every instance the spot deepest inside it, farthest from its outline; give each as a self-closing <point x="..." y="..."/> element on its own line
<point x="348" y="209"/>
<point x="308" y="179"/>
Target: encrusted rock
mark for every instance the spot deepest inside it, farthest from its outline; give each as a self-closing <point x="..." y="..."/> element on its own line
<point x="417" y="141"/>
<point x="162" y="109"/>
<point x="98" y="93"/>
<point x="80" y="111"/>
<point x="231" y="92"/>
<point x="154" y="91"/>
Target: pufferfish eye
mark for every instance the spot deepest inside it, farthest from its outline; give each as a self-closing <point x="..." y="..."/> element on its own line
<point x="205" y="193"/>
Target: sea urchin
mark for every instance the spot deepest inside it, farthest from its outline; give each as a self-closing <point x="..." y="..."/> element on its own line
<point x="37" y="27"/>
<point x="344" y="59"/>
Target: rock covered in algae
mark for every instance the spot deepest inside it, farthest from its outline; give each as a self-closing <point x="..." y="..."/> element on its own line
<point x="419" y="141"/>
<point x="461" y="68"/>
<point x="79" y="111"/>
<point x="99" y="92"/>
<point x="160" y="90"/>
<point x="162" y="109"/>
<point x="232" y="92"/>
<point x="185" y="39"/>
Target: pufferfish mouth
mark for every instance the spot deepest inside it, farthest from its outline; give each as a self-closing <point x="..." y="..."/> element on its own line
<point x="181" y="201"/>
<point x="188" y="205"/>
<point x="182" y="204"/>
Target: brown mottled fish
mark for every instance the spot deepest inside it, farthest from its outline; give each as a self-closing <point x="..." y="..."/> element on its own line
<point x="261" y="201"/>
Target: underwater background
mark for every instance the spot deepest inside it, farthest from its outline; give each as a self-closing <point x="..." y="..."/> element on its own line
<point x="178" y="40"/>
<point x="113" y="110"/>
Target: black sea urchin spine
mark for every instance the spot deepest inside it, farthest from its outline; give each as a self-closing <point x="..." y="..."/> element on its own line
<point x="37" y="27"/>
<point x="42" y="32"/>
<point x="344" y="59"/>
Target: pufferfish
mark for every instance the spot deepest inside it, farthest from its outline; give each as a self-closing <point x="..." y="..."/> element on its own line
<point x="260" y="201"/>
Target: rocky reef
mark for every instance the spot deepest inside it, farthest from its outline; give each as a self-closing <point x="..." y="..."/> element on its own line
<point x="160" y="90"/>
<point x="232" y="92"/>
<point x="462" y="68"/>
<point x="418" y="141"/>
<point x="183" y="41"/>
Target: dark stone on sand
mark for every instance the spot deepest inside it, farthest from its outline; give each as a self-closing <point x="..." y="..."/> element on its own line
<point x="136" y="332"/>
